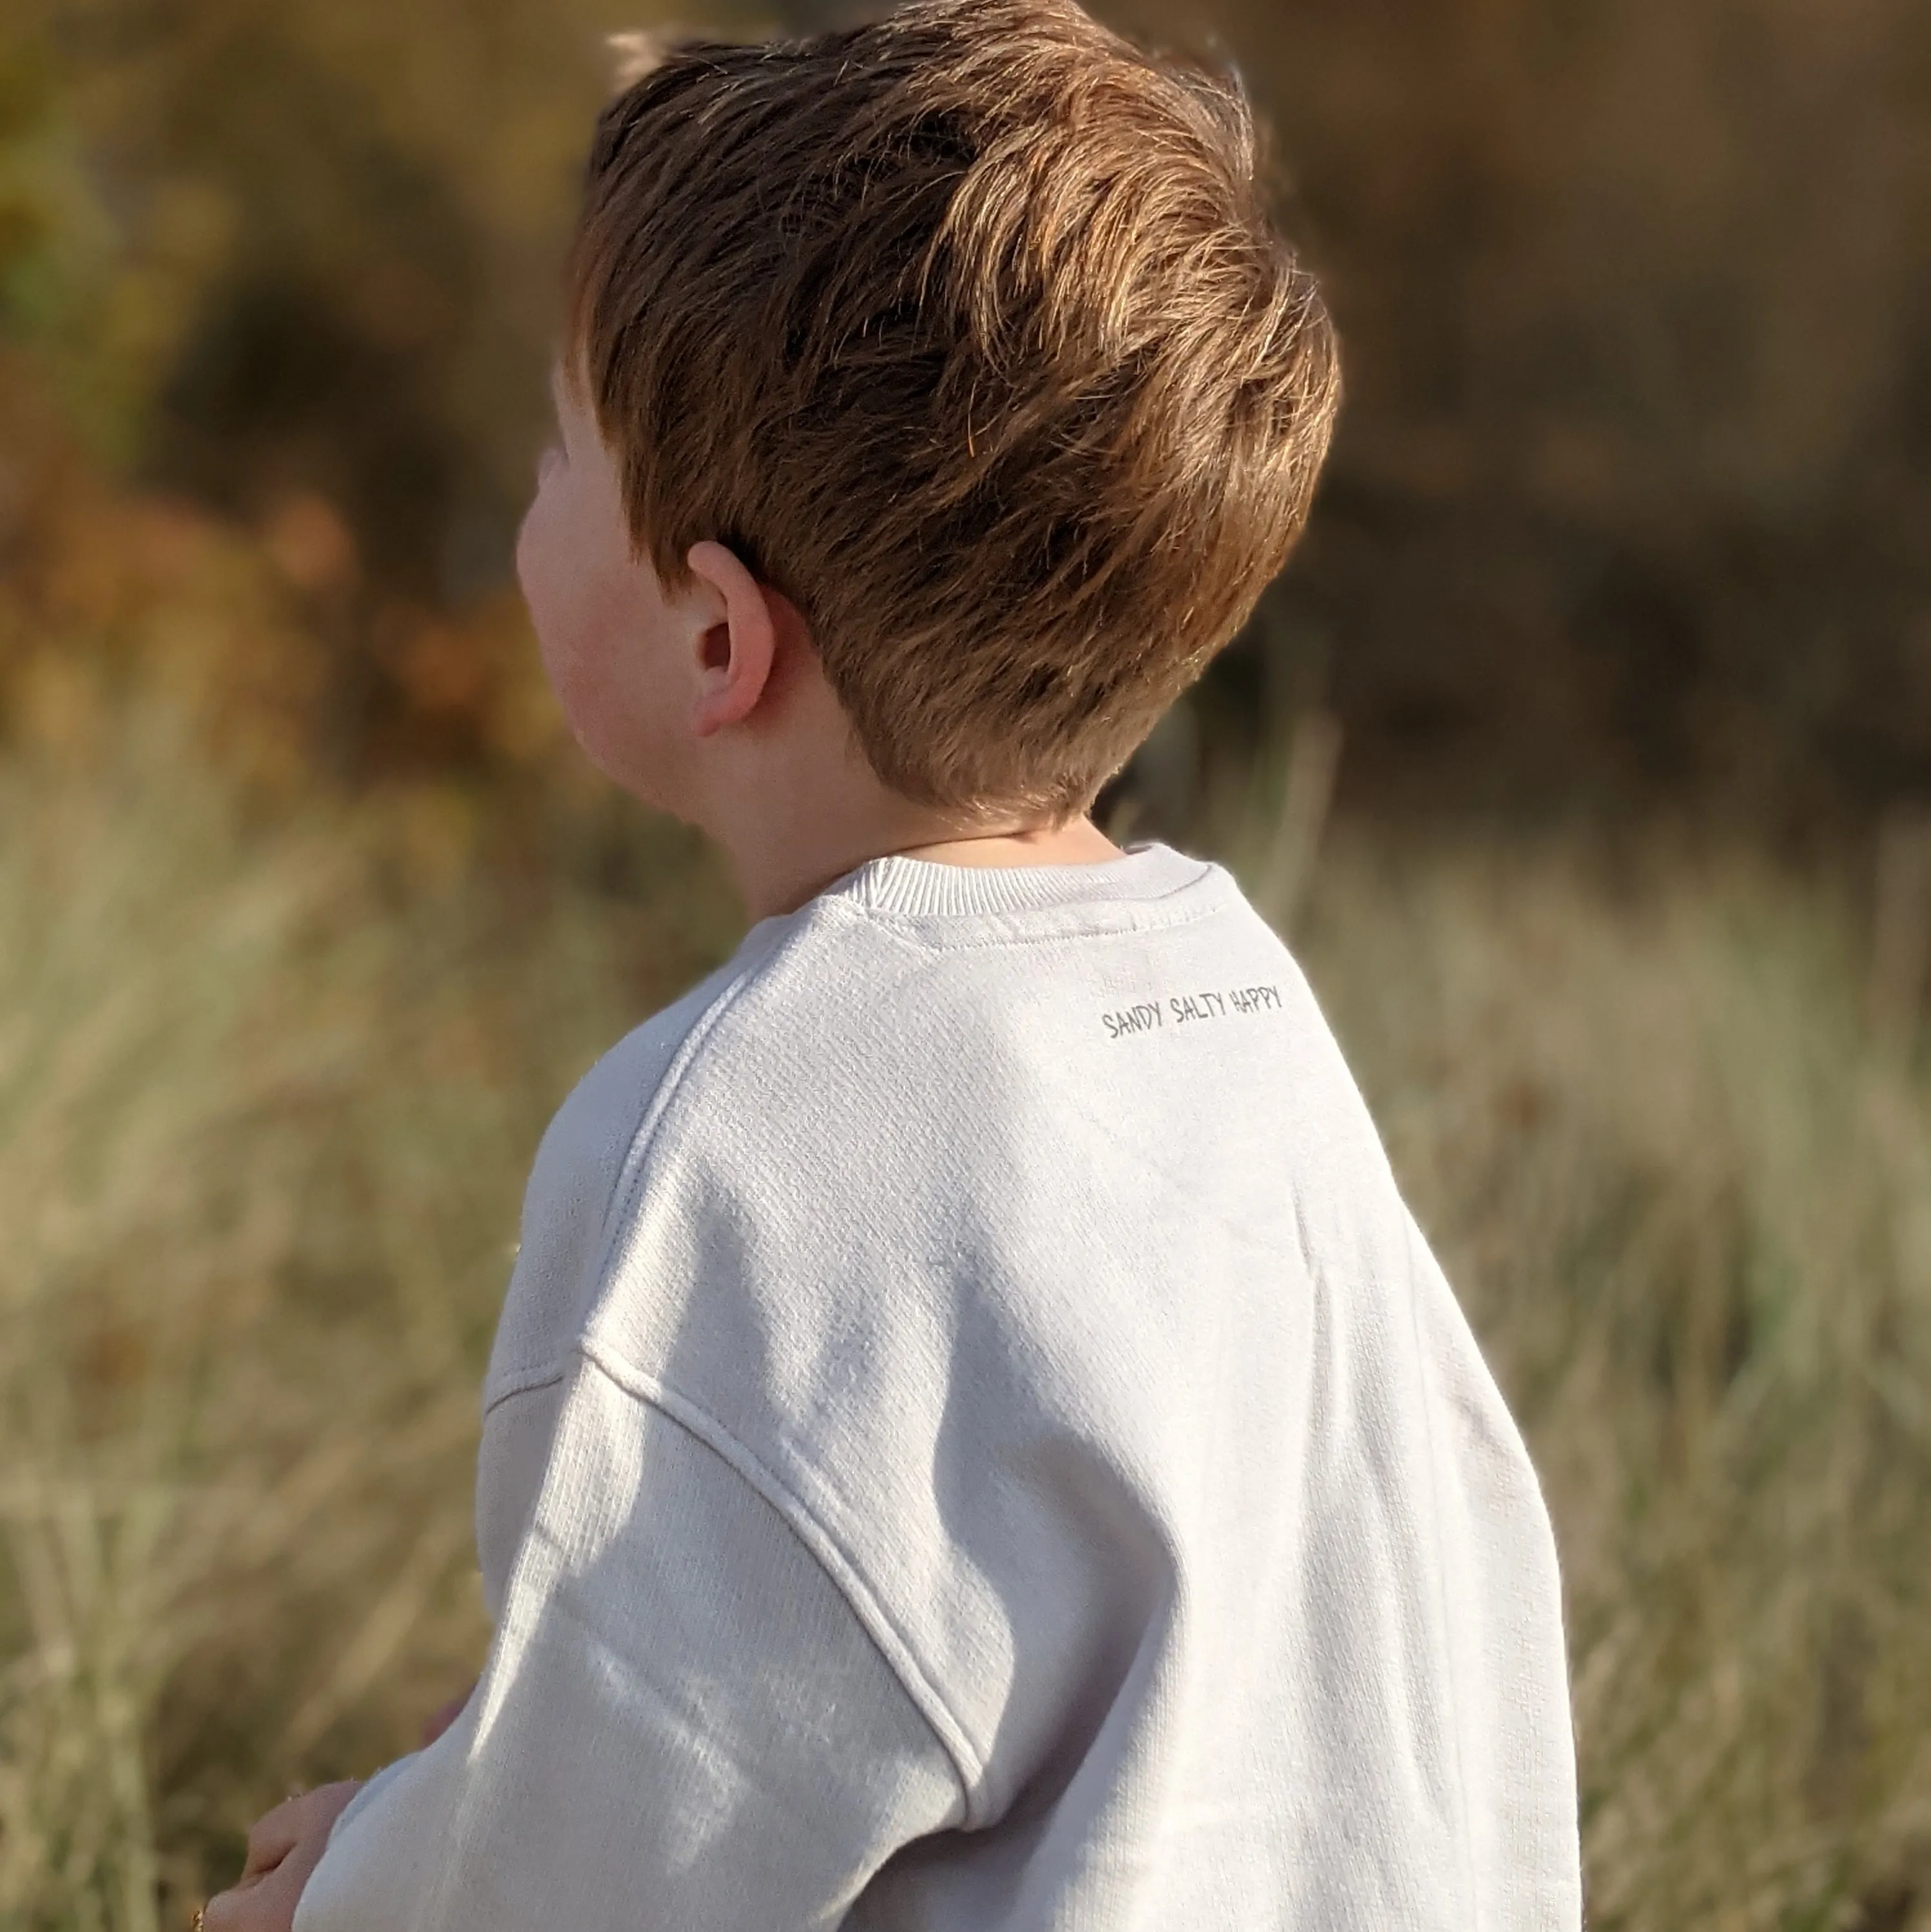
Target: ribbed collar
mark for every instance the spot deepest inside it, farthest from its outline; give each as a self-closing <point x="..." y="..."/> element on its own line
<point x="918" y="887"/>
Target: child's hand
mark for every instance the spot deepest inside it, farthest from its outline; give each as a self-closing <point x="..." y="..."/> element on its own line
<point x="286" y="1844"/>
<point x="283" y="1848"/>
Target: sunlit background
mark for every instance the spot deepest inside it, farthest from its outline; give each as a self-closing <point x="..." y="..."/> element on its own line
<point x="1583" y="753"/>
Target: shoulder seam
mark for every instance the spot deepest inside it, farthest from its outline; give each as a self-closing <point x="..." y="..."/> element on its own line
<point x="523" y="1381"/>
<point x="968" y="1765"/>
<point x="968" y="1761"/>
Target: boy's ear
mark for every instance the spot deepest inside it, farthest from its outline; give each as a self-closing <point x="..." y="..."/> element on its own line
<point x="736" y="650"/>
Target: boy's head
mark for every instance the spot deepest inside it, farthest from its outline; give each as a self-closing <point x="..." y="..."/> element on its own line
<point x="968" y="332"/>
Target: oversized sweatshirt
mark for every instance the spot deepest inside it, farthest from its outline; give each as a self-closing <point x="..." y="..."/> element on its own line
<point x="975" y="1442"/>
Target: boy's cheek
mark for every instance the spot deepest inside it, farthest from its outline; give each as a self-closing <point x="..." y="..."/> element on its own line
<point x="548" y="584"/>
<point x="531" y="539"/>
<point x="546" y="594"/>
<point x="602" y="683"/>
<point x="569" y="668"/>
<point x="594" y="634"/>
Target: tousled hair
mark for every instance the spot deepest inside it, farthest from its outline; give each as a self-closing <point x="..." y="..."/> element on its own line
<point x="969" y="331"/>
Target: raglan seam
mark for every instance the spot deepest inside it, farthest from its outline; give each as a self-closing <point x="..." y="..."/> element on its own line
<point x="867" y="1606"/>
<point x="624" y="1187"/>
<point x="499" y="1386"/>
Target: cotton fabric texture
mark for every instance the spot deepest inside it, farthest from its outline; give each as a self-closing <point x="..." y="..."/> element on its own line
<point x="974" y="1440"/>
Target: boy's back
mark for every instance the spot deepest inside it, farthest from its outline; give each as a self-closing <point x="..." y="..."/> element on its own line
<point x="975" y="1441"/>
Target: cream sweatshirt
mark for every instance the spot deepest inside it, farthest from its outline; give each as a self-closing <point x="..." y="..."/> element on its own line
<point x="974" y="1440"/>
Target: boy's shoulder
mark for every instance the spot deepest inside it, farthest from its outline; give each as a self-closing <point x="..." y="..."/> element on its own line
<point x="877" y="1077"/>
<point x="578" y="1168"/>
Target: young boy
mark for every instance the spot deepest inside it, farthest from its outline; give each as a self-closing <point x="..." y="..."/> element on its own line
<point x="974" y="1439"/>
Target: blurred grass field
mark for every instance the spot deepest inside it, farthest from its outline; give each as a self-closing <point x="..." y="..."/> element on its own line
<point x="265" y="1101"/>
<point x="268" y="1087"/>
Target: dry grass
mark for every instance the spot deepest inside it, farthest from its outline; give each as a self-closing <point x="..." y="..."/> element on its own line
<point x="266" y="1101"/>
<point x="1688" y="1203"/>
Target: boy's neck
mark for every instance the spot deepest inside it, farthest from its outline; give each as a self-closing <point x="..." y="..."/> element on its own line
<point x="785" y="853"/>
<point x="791" y="797"/>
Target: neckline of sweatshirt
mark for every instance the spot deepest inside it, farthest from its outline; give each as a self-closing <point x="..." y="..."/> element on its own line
<point x="893" y="887"/>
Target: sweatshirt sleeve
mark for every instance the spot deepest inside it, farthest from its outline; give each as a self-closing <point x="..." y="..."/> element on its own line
<point x="681" y="1726"/>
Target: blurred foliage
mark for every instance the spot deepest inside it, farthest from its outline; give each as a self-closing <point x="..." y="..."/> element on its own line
<point x="1637" y="465"/>
<point x="1685" y="1191"/>
<point x="1629" y="499"/>
<point x="289" y="273"/>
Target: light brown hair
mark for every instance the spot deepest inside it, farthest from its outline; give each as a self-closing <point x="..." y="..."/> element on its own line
<point x="969" y="331"/>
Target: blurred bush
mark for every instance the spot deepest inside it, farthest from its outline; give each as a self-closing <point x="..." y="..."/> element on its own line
<point x="1634" y="476"/>
<point x="1629" y="498"/>
<point x="284" y="281"/>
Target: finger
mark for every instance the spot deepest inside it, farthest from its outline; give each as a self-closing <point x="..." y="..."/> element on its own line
<point x="225" y="1912"/>
<point x="259" y="1907"/>
<point x="272" y="1836"/>
<point x="285" y="1846"/>
<point x="265" y="1904"/>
